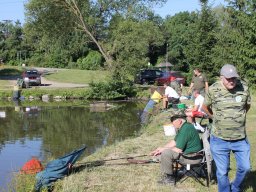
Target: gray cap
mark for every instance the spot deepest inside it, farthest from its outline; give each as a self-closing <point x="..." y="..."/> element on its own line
<point x="229" y="71"/>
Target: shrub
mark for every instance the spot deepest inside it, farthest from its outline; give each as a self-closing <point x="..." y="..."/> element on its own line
<point x="92" y="61"/>
<point x="111" y="90"/>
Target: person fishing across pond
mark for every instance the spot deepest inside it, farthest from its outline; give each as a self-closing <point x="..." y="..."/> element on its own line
<point x="170" y="96"/>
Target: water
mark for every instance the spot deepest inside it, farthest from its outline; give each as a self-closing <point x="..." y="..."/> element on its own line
<point x="50" y="132"/>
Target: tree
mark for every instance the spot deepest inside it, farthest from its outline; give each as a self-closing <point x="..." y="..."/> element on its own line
<point x="202" y="40"/>
<point x="132" y="41"/>
<point x="177" y="33"/>
<point x="237" y="38"/>
<point x="92" y="17"/>
<point x="11" y="48"/>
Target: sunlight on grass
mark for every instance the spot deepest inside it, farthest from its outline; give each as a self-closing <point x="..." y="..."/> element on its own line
<point x="78" y="76"/>
<point x="5" y="84"/>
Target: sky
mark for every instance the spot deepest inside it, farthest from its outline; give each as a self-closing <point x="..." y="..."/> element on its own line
<point x="14" y="9"/>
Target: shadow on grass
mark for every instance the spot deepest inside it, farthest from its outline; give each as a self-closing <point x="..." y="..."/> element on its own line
<point x="129" y="161"/>
<point x="250" y="181"/>
<point x="89" y="165"/>
<point x="10" y="74"/>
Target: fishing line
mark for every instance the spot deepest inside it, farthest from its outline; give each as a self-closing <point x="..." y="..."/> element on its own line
<point x="111" y="159"/>
<point x="130" y="159"/>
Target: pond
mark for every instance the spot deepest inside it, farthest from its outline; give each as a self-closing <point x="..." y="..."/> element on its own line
<point x="52" y="131"/>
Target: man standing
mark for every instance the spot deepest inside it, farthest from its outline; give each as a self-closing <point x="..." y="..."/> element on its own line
<point x="199" y="82"/>
<point x="229" y="100"/>
<point x="186" y="141"/>
<point x="170" y="96"/>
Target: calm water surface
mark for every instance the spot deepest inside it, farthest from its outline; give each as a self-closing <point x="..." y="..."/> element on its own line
<point x="50" y="132"/>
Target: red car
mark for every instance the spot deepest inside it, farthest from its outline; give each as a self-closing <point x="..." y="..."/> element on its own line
<point x="31" y="77"/>
<point x="169" y="76"/>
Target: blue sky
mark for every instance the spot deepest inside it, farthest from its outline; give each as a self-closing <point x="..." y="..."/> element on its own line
<point x="14" y="10"/>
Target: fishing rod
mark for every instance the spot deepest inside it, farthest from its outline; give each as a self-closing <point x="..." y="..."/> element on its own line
<point x="130" y="159"/>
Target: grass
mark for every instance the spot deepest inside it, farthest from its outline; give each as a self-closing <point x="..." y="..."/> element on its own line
<point x="144" y="177"/>
<point x="78" y="76"/>
<point x="8" y="73"/>
<point x="113" y="176"/>
<point x="62" y="75"/>
<point x="4" y="84"/>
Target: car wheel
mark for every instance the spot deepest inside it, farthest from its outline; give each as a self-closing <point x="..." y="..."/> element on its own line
<point x="144" y="82"/>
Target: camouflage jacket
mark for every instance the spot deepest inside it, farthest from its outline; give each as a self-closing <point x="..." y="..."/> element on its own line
<point x="229" y="110"/>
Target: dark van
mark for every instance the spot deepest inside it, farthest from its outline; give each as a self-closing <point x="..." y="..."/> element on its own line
<point x="147" y="76"/>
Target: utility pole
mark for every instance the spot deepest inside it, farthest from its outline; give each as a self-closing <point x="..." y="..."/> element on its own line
<point x="20" y="57"/>
<point x="166" y="57"/>
<point x="6" y="27"/>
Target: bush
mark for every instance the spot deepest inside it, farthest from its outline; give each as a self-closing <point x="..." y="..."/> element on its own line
<point x="93" y="61"/>
<point x="111" y="90"/>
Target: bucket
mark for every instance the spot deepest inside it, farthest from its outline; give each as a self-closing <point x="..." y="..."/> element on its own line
<point x="169" y="130"/>
<point x="156" y="97"/>
<point x="181" y="106"/>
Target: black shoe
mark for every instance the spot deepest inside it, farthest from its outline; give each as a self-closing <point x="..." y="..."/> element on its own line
<point x="167" y="180"/>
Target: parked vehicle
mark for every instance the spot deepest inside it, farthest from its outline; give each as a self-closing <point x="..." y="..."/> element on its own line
<point x="31" y="77"/>
<point x="169" y="76"/>
<point x="147" y="76"/>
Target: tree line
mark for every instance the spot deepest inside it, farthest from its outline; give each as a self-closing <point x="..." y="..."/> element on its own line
<point x="124" y="36"/>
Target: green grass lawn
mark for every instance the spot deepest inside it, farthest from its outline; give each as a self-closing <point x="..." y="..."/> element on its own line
<point x="61" y="75"/>
<point x="4" y="84"/>
<point x="8" y="73"/>
<point x="78" y="76"/>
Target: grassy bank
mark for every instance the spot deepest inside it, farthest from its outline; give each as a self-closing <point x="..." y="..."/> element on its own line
<point x="112" y="176"/>
<point x="78" y="76"/>
<point x="144" y="177"/>
<point x="64" y="93"/>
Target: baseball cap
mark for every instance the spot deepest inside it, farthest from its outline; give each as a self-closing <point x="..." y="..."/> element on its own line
<point x="179" y="113"/>
<point x="228" y="71"/>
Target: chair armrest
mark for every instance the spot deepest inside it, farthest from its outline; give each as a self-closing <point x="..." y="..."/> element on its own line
<point x="193" y="155"/>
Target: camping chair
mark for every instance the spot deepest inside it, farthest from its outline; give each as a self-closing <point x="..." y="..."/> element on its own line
<point x="202" y="169"/>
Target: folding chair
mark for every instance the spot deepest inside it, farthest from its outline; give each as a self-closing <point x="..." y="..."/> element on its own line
<point x="203" y="169"/>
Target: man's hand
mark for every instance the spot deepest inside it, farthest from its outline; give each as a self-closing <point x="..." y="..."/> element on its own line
<point x="157" y="152"/>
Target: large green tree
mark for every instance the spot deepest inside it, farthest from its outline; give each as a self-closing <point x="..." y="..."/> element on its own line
<point x="131" y="43"/>
<point x="59" y="17"/>
<point x="177" y="33"/>
<point x="12" y="47"/>
<point x="202" y="40"/>
<point x="237" y="38"/>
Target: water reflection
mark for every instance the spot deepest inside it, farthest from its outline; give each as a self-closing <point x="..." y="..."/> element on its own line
<point x="53" y="131"/>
